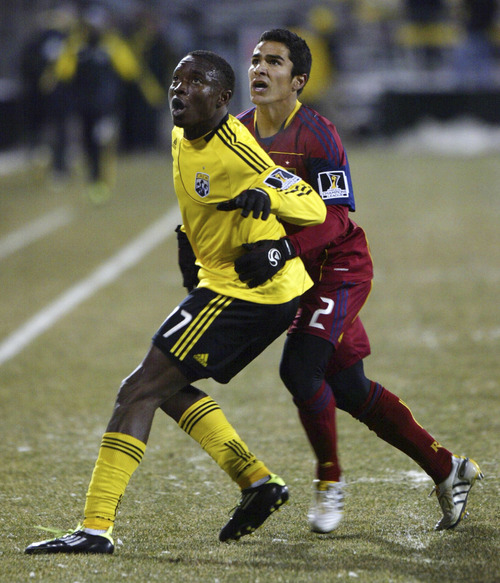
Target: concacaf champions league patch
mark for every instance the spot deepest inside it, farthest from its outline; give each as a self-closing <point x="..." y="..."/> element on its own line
<point x="202" y="184"/>
<point x="281" y="178"/>
<point x="333" y="184"/>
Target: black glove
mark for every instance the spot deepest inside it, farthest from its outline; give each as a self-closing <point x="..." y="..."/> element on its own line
<point x="263" y="260"/>
<point x="253" y="200"/>
<point x="187" y="259"/>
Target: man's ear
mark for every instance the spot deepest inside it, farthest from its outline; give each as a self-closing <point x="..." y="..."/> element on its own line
<point x="299" y="81"/>
<point x="224" y="97"/>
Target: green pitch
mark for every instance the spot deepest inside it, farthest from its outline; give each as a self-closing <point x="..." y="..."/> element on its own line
<point x="434" y="323"/>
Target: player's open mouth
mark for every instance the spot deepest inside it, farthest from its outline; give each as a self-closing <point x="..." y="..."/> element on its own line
<point x="259" y="85"/>
<point x="176" y="105"/>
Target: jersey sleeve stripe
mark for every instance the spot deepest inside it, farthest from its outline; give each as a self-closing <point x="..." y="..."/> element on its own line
<point x="245" y="152"/>
<point x="245" y="148"/>
<point x="301" y="189"/>
<point x="246" y="114"/>
<point x="322" y="133"/>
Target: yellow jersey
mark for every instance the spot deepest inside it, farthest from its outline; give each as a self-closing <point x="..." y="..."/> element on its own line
<point x="217" y="167"/>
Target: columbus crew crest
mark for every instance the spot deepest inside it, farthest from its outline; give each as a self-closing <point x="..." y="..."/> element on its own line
<point x="202" y="184"/>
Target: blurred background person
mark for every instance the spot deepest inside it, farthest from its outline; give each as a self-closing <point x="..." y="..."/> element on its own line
<point x="97" y="62"/>
<point x="427" y="32"/>
<point x="46" y="99"/>
<point x="144" y="104"/>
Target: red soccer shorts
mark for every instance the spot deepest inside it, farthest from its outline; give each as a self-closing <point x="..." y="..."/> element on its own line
<point x="332" y="312"/>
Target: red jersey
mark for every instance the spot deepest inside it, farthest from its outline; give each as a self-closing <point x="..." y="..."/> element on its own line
<point x="308" y="145"/>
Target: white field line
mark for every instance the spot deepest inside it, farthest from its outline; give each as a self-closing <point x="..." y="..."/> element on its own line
<point x="126" y="258"/>
<point x="35" y="230"/>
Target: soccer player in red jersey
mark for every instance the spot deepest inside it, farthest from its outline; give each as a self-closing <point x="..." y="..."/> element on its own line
<point x="322" y="361"/>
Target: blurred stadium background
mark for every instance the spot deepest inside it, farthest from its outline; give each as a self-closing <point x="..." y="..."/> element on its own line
<point x="380" y="66"/>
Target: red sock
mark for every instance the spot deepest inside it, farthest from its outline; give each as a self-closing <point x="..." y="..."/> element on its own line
<point x="318" y="419"/>
<point x="391" y="419"/>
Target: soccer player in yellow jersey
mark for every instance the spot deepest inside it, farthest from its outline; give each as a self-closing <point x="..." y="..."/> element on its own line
<point x="222" y="324"/>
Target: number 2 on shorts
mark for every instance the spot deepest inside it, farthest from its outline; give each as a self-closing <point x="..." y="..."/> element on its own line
<point x="322" y="311"/>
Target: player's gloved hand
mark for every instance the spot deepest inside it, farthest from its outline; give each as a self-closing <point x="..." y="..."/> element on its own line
<point x="186" y="259"/>
<point x="253" y="200"/>
<point x="263" y="260"/>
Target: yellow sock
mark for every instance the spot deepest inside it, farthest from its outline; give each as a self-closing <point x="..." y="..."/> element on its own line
<point x="206" y="423"/>
<point x="119" y="456"/>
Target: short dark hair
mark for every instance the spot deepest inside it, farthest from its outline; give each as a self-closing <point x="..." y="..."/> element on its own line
<point x="225" y="73"/>
<point x="300" y="55"/>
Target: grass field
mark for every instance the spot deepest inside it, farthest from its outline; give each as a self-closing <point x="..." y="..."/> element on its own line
<point x="434" y="323"/>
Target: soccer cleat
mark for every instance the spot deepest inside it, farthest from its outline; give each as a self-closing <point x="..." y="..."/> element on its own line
<point x="327" y="508"/>
<point x="77" y="541"/>
<point x="452" y="493"/>
<point x="255" y="506"/>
